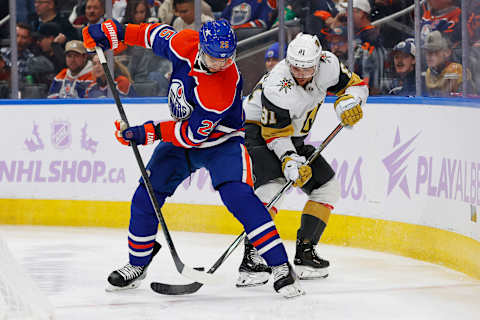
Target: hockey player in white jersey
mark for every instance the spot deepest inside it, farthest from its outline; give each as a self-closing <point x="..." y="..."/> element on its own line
<point x="280" y="112"/>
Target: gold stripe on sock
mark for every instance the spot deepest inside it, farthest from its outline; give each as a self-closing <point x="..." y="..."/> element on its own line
<point x="318" y="210"/>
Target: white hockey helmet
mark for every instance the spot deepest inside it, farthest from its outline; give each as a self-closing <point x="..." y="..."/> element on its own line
<point x="304" y="51"/>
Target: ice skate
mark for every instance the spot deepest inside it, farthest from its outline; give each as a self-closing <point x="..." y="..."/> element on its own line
<point x="286" y="281"/>
<point x="308" y="264"/>
<point x="129" y="276"/>
<point x="253" y="270"/>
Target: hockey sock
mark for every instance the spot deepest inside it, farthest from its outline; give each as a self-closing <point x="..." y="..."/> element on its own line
<point x="240" y="200"/>
<point x="143" y="226"/>
<point x="314" y="220"/>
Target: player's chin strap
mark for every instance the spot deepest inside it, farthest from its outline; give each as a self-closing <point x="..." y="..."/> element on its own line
<point x="171" y="289"/>
<point x="184" y="270"/>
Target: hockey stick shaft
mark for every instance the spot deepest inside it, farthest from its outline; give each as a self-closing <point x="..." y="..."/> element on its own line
<point x="277" y="196"/>
<point x="194" y="287"/>
<point x="181" y="267"/>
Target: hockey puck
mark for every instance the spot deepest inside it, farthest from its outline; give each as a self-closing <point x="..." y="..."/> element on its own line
<point x="199" y="268"/>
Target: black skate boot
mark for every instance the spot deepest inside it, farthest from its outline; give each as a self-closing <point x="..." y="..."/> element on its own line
<point x="129" y="276"/>
<point x="253" y="270"/>
<point x="307" y="263"/>
<point x="286" y="281"/>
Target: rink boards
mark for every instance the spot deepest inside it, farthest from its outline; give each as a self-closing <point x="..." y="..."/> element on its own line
<point x="409" y="174"/>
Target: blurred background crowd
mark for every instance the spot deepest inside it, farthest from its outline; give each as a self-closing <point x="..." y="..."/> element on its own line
<point x="399" y="47"/>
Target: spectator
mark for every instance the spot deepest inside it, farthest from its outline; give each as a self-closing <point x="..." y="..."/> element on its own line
<point x="403" y="81"/>
<point x="123" y="8"/>
<point x="444" y="16"/>
<point x="248" y="14"/>
<point x="369" y="52"/>
<point x="24" y="40"/>
<point x="136" y="12"/>
<point x="185" y="11"/>
<point x="94" y="12"/>
<point x="272" y="56"/>
<point x="73" y="81"/>
<point x="99" y="88"/>
<point x="50" y="44"/>
<point x="443" y="77"/>
<point x="166" y="12"/>
<point x="337" y="39"/>
<point x="143" y="65"/>
<point x="46" y="11"/>
<point x="317" y="15"/>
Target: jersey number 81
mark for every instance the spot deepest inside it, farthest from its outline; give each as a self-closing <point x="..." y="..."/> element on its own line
<point x="268" y="117"/>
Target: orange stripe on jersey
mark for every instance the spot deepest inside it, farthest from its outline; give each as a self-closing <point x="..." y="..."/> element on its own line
<point x="271" y="139"/>
<point x="269" y="235"/>
<point x="140" y="246"/>
<point x="167" y="130"/>
<point x="248" y="163"/>
<point x="135" y="33"/>
<point x="183" y="132"/>
<point x="363" y="83"/>
<point x="88" y="41"/>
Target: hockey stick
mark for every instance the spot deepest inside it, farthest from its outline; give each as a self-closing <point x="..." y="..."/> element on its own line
<point x="171" y="289"/>
<point x="184" y="270"/>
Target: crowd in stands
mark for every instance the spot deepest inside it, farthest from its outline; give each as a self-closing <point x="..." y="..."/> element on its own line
<point x="51" y="54"/>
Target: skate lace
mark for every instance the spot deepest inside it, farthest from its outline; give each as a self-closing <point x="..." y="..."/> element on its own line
<point x="255" y="257"/>
<point x="315" y="253"/>
<point x="280" y="271"/>
<point x="130" y="272"/>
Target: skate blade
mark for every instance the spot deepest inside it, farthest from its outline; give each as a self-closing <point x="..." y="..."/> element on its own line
<point x="291" y="291"/>
<point x="112" y="288"/>
<point x="310" y="273"/>
<point x="252" y="279"/>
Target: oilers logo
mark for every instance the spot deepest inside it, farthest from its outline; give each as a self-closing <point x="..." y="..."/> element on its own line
<point x="180" y="109"/>
<point x="241" y="14"/>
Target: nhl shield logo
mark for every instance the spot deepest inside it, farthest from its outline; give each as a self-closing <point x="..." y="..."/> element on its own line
<point x="61" y="134"/>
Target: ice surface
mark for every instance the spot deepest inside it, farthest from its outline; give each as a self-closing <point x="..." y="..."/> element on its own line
<point x="70" y="265"/>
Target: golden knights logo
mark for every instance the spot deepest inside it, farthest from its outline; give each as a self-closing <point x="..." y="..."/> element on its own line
<point x="324" y="58"/>
<point x="285" y="85"/>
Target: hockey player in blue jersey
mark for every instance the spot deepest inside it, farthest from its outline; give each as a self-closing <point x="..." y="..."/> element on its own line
<point x="207" y="131"/>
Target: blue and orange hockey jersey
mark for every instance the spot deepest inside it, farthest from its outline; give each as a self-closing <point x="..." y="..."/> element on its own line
<point x="248" y="13"/>
<point x="212" y="103"/>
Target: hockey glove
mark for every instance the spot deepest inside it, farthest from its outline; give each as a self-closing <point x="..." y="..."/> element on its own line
<point x="295" y="170"/>
<point x="106" y="35"/>
<point x="144" y="134"/>
<point x="349" y="109"/>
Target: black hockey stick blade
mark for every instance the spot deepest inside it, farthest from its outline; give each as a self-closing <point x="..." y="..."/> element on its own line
<point x="175" y="290"/>
<point x="180" y="289"/>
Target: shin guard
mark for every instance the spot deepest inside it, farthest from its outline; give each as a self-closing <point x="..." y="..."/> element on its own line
<point x="240" y="200"/>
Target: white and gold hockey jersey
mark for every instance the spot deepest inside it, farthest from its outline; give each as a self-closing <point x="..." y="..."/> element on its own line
<point x="283" y="109"/>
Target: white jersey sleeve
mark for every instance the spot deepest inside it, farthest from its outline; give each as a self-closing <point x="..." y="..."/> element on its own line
<point x="285" y="109"/>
